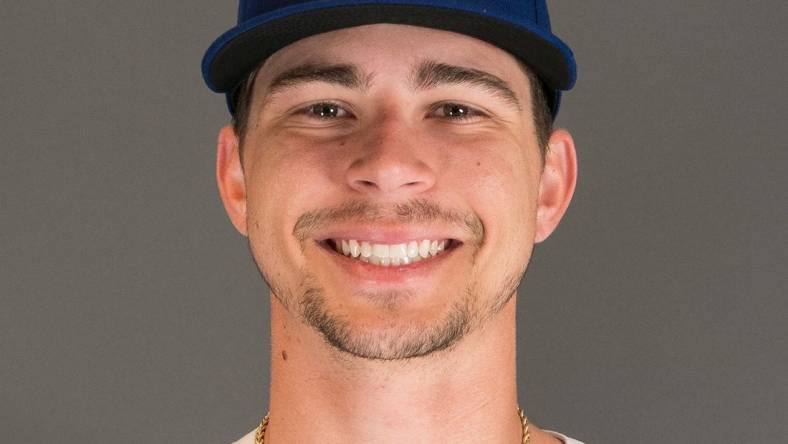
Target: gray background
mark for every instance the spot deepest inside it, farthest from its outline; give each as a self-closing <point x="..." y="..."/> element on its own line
<point x="131" y="310"/>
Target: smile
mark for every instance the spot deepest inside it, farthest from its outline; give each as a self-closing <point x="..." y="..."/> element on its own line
<point x="388" y="255"/>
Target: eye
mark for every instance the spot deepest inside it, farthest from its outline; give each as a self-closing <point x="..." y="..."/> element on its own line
<point x="325" y="111"/>
<point x="457" y="111"/>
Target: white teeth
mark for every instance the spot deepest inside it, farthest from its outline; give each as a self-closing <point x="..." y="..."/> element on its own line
<point x="355" y="248"/>
<point x="387" y="255"/>
<point x="380" y="250"/>
<point x="424" y="248"/>
<point x="366" y="249"/>
<point x="413" y="249"/>
<point x="398" y="251"/>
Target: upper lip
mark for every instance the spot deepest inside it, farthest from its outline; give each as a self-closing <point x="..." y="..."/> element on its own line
<point x="386" y="235"/>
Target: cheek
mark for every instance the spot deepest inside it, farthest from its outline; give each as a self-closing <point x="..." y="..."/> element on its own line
<point x="284" y="180"/>
<point x="282" y="171"/>
<point x="497" y="178"/>
<point x="499" y="182"/>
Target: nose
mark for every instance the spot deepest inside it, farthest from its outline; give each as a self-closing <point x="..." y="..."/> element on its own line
<point x="392" y="160"/>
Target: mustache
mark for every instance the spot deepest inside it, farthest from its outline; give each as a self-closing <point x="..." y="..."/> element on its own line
<point x="412" y="211"/>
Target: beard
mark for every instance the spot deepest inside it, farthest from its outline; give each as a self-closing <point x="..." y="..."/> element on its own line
<point x="399" y="339"/>
<point x="394" y="342"/>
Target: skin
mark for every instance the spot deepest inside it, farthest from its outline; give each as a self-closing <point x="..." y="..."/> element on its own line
<point x="388" y="377"/>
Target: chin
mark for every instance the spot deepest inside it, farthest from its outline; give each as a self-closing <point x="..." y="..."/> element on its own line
<point x="387" y="330"/>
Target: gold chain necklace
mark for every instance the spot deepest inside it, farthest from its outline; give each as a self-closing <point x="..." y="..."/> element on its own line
<point x="259" y="436"/>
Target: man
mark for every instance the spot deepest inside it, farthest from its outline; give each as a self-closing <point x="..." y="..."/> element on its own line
<point x="392" y="165"/>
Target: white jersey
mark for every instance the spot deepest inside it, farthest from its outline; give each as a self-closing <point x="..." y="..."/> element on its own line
<point x="249" y="438"/>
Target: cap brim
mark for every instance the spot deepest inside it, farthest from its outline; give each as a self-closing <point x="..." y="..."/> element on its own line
<point x="240" y="50"/>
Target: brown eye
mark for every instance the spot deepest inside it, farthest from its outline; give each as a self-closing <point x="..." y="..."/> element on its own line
<point x="453" y="110"/>
<point x="457" y="111"/>
<point x="326" y="111"/>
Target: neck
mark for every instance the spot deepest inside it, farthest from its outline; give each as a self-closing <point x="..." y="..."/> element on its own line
<point x="464" y="394"/>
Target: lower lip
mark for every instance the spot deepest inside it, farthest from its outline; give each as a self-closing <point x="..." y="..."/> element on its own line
<point x="393" y="274"/>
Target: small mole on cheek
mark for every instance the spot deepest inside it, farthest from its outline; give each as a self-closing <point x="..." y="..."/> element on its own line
<point x="478" y="164"/>
<point x="284" y="355"/>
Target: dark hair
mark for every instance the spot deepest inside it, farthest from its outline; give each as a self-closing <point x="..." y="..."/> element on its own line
<point x="543" y="119"/>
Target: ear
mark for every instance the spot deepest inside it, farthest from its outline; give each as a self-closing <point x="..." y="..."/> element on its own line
<point x="230" y="178"/>
<point x="557" y="184"/>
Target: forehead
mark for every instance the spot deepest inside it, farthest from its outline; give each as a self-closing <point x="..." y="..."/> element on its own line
<point x="392" y="49"/>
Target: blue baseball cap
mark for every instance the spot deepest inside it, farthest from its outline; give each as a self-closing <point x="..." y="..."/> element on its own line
<point x="520" y="27"/>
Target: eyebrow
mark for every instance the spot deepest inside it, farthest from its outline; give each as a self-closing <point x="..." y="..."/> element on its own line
<point x="348" y="76"/>
<point x="430" y="74"/>
<point x="426" y="75"/>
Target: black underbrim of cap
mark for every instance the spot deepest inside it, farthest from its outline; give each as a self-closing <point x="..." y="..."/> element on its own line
<point x="245" y="52"/>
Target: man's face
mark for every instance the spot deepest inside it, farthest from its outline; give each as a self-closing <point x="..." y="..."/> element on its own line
<point x="384" y="137"/>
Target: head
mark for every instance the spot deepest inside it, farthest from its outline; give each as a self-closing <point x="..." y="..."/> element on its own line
<point x="394" y="179"/>
<point x="355" y="136"/>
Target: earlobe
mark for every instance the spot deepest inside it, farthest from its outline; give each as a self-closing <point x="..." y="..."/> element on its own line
<point x="557" y="184"/>
<point x="230" y="177"/>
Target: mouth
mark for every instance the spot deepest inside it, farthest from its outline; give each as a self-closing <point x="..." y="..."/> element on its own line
<point x="402" y="254"/>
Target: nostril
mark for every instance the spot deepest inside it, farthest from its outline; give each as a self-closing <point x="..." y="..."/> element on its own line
<point x="385" y="178"/>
